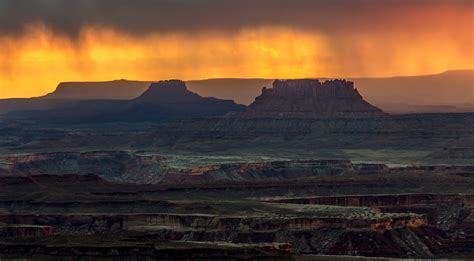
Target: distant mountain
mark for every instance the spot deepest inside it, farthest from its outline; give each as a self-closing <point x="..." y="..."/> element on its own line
<point x="110" y="90"/>
<point x="310" y="99"/>
<point x="71" y="93"/>
<point x="451" y="91"/>
<point x="163" y="100"/>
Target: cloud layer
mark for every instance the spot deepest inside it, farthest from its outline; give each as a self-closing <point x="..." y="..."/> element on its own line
<point x="43" y="42"/>
<point x="149" y="16"/>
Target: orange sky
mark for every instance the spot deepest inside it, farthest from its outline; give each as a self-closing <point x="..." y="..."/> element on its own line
<point x="34" y="62"/>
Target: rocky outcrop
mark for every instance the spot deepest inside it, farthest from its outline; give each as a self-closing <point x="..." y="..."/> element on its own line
<point x="113" y="165"/>
<point x="301" y="170"/>
<point x="302" y="234"/>
<point x="269" y="171"/>
<point x="86" y="223"/>
<point x="150" y="168"/>
<point x="376" y="200"/>
<point x="311" y="99"/>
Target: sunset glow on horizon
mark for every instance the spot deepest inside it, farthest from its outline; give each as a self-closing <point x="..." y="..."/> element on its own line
<point x="33" y="62"/>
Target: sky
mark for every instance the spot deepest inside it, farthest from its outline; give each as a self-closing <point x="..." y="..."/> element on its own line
<point x="44" y="42"/>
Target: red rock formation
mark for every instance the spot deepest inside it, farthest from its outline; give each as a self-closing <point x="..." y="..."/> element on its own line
<point x="311" y="99"/>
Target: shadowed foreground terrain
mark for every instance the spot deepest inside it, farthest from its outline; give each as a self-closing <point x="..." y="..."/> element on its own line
<point x="329" y="209"/>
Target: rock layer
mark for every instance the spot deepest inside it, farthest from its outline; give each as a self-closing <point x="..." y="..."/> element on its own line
<point x="113" y="165"/>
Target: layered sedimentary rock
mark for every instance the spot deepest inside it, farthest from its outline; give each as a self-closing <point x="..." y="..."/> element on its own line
<point x="422" y="130"/>
<point x="151" y="168"/>
<point x="269" y="171"/>
<point x="99" y="222"/>
<point x="311" y="99"/>
<point x="114" y="165"/>
<point x="331" y="114"/>
<point x="88" y="209"/>
<point x="297" y="171"/>
<point x="380" y="200"/>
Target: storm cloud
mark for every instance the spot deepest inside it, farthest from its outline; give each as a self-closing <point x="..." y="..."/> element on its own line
<point x="69" y="17"/>
<point x="43" y="42"/>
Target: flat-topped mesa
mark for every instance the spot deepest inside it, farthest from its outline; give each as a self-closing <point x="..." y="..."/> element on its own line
<point x="109" y="90"/>
<point x="172" y="99"/>
<point x="309" y="98"/>
<point x="168" y="91"/>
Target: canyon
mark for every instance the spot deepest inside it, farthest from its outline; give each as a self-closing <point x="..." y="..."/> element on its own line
<point x="123" y="217"/>
<point x="309" y="171"/>
<point x="150" y="168"/>
<point x="136" y="203"/>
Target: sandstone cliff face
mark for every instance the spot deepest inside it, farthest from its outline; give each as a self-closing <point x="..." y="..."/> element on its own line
<point x="311" y="99"/>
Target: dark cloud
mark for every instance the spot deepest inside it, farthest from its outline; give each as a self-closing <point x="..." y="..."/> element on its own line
<point x="145" y="16"/>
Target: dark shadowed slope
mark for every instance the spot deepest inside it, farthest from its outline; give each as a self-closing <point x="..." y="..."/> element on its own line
<point x="22" y="104"/>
